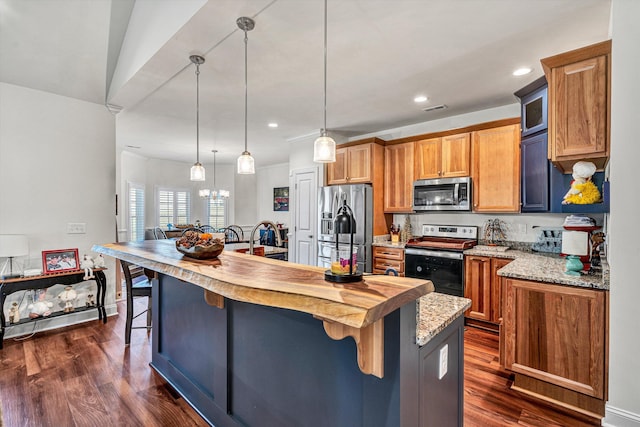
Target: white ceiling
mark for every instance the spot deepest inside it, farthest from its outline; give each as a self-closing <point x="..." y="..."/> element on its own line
<point x="381" y="53"/>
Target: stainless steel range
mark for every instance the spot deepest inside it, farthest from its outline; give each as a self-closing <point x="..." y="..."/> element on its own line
<point x="437" y="256"/>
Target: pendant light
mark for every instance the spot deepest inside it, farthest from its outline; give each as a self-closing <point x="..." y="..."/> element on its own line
<point x="324" y="148"/>
<point x="197" y="170"/>
<point x="246" y="164"/>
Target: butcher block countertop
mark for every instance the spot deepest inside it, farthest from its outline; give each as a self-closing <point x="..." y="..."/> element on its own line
<point x="274" y="283"/>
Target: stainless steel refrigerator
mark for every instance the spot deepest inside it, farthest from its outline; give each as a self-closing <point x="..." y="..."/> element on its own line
<point x="360" y="200"/>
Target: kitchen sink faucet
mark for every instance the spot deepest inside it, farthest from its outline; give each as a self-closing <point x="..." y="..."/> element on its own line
<point x="267" y="224"/>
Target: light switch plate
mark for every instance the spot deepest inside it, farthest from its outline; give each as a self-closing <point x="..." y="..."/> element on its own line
<point x="76" y="228"/>
<point x="443" y="361"/>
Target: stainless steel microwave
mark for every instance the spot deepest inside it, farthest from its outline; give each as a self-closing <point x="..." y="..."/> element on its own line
<point x="443" y="194"/>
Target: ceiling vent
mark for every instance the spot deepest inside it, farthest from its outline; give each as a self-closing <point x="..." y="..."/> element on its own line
<point x="435" y="107"/>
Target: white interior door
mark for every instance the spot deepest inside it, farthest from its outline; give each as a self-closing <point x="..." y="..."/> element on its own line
<point x="305" y="193"/>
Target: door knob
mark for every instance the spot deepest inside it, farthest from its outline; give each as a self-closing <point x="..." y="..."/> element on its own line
<point x="311" y="236"/>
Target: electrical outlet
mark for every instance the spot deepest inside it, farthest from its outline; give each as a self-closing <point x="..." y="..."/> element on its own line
<point x="76" y="228"/>
<point x="443" y="362"/>
<point x="521" y="228"/>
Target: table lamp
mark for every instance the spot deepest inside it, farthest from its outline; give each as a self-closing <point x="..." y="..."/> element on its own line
<point x="12" y="245"/>
<point x="574" y="244"/>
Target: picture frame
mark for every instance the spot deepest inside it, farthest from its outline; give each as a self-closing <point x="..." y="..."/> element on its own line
<point x="281" y="199"/>
<point x="60" y="261"/>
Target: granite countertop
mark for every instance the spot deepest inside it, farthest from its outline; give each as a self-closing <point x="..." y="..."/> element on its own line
<point x="435" y="311"/>
<point x="388" y="244"/>
<point x="548" y="268"/>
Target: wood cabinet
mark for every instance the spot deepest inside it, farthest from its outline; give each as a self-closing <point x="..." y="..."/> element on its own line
<point x="354" y="164"/>
<point x="555" y="339"/>
<point x="482" y="287"/>
<point x="385" y="257"/>
<point x="445" y="157"/>
<point x="579" y="105"/>
<point x="398" y="178"/>
<point x="362" y="162"/>
<point x="495" y="169"/>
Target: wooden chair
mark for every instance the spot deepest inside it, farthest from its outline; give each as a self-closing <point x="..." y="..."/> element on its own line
<point x="138" y="285"/>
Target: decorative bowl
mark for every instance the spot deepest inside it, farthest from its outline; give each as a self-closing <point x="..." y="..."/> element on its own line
<point x="193" y="246"/>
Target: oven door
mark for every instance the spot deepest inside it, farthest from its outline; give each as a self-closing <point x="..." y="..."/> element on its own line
<point x="444" y="269"/>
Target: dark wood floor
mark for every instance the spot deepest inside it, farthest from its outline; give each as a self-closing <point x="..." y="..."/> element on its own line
<point x="84" y="376"/>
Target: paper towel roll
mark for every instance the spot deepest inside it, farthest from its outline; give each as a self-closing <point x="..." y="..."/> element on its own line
<point x="575" y="242"/>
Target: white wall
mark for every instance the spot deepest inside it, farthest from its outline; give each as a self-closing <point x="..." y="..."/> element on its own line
<point x="151" y="25"/>
<point x="246" y="205"/>
<point x="269" y="178"/>
<point x="57" y="165"/>
<point x="623" y="408"/>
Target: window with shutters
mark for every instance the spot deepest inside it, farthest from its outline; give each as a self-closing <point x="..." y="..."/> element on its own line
<point x="174" y="206"/>
<point x="217" y="213"/>
<point x="135" y="211"/>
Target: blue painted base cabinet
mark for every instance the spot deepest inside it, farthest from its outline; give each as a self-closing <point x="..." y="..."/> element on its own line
<point x="251" y="365"/>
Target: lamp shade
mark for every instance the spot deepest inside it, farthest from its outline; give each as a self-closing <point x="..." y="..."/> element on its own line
<point x="324" y="150"/>
<point x="197" y="172"/>
<point x="246" y="165"/>
<point x="12" y="245"/>
<point x="575" y="243"/>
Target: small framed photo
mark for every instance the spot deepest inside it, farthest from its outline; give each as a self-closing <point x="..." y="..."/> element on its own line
<point x="60" y="261"/>
<point x="281" y="199"/>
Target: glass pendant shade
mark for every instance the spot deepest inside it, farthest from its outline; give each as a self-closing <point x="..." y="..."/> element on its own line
<point x="197" y="172"/>
<point x="205" y="192"/>
<point x="246" y="164"/>
<point x="324" y="149"/>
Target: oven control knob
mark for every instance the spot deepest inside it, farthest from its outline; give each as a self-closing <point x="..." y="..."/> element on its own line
<point x="419" y="269"/>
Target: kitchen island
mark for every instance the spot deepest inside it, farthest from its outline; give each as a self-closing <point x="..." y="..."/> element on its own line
<point x="254" y="341"/>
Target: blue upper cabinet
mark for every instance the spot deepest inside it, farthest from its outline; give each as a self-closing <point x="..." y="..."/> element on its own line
<point x="534" y="183"/>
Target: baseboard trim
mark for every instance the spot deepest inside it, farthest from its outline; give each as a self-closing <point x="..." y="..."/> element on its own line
<point x="57" y="322"/>
<point x="616" y="417"/>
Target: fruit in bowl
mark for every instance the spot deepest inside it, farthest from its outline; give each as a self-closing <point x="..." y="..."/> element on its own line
<point x="199" y="245"/>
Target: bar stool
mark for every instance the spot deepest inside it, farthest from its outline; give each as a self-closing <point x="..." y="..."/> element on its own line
<point x="141" y="288"/>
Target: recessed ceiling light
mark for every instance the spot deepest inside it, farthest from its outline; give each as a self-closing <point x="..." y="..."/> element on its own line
<point x="420" y="98"/>
<point x="273" y="125"/>
<point x="133" y="146"/>
<point x="522" y="71"/>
